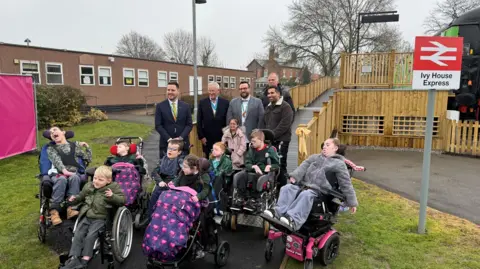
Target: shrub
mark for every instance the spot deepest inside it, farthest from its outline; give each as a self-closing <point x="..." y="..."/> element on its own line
<point x="95" y="115"/>
<point x="59" y="105"/>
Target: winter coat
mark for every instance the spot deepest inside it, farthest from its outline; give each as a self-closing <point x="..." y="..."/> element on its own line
<point x="279" y="118"/>
<point x="96" y="204"/>
<point x="237" y="145"/>
<point x="225" y="166"/>
<point x="312" y="173"/>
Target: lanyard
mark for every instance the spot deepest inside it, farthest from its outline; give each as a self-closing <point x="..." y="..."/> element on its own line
<point x="214" y="106"/>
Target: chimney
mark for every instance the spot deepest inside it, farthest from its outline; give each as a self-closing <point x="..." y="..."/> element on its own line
<point x="293" y="58"/>
<point x="271" y="53"/>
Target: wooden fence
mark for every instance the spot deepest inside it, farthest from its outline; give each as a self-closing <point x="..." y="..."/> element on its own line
<point x="462" y="137"/>
<point x="317" y="130"/>
<point x="303" y="95"/>
<point x="376" y="70"/>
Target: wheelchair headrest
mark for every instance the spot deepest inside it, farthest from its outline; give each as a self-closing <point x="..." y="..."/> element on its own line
<point x="269" y="135"/>
<point x="68" y="134"/>
<point x="203" y="165"/>
<point x="133" y="149"/>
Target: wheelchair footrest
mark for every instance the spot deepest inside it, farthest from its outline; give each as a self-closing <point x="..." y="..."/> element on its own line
<point x="282" y="227"/>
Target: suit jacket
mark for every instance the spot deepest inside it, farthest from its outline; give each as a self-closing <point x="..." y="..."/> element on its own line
<point x="210" y="126"/>
<point x="168" y="128"/>
<point x="255" y="112"/>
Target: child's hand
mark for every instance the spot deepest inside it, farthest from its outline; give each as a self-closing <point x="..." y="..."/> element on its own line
<point x="195" y="199"/>
<point x="162" y="184"/>
<point x="139" y="156"/>
<point x="83" y="144"/>
<point x="267" y="168"/>
<point x="353" y="209"/>
<point x="72" y="198"/>
<point x="108" y="193"/>
<point x="67" y="173"/>
<point x="292" y="180"/>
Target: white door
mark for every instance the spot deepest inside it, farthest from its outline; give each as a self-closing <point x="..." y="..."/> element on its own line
<point x="199" y="79"/>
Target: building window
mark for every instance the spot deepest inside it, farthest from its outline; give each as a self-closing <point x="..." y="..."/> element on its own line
<point x="54" y="73"/>
<point x="211" y="78"/>
<point x="128" y="77"/>
<point x="248" y="80"/>
<point x="31" y="68"/>
<point x="104" y="76"/>
<point x="219" y="81"/>
<point x="143" y="78"/>
<point x="173" y="76"/>
<point x="265" y="72"/>
<point x="284" y="73"/>
<point x="225" y="82"/>
<point x="291" y="73"/>
<point x="162" y="79"/>
<point x="233" y="82"/>
<point x="87" y="75"/>
<point x="242" y="79"/>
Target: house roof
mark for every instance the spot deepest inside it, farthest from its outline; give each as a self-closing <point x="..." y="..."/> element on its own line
<point x="281" y="62"/>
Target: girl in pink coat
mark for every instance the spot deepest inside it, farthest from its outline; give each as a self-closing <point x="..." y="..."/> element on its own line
<point x="234" y="137"/>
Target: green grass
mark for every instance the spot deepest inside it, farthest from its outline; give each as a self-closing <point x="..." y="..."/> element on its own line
<point x="19" y="246"/>
<point x="382" y="234"/>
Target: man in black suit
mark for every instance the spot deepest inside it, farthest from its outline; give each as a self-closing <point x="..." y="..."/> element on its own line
<point x="211" y="118"/>
<point x="173" y="119"/>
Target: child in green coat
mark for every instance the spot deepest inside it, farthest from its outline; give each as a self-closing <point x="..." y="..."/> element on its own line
<point x="219" y="162"/>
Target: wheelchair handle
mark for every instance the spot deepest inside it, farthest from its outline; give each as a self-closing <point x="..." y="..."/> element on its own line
<point x="129" y="138"/>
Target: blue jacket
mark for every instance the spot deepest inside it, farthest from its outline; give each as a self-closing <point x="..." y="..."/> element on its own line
<point x="168" y="128"/>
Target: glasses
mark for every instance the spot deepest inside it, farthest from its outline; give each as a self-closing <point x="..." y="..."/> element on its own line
<point x="172" y="149"/>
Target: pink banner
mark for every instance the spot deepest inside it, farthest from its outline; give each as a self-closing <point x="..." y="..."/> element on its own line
<point x="17" y="115"/>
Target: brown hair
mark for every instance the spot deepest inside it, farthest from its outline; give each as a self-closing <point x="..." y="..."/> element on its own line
<point x="177" y="142"/>
<point x="221" y="146"/>
<point x="257" y="133"/>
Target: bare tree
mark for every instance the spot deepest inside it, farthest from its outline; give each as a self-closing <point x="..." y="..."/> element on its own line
<point x="445" y="12"/>
<point x="139" y="46"/>
<point x="206" y="52"/>
<point x="179" y="46"/>
<point x="319" y="30"/>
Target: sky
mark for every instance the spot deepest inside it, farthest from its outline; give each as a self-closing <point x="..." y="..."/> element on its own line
<point x="236" y="26"/>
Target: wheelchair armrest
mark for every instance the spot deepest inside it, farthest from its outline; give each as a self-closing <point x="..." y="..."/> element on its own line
<point x="141" y="170"/>
<point x="90" y="171"/>
<point x="337" y="195"/>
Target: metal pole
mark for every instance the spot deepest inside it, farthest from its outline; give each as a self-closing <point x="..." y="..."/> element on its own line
<point x="195" y="78"/>
<point x="427" y="149"/>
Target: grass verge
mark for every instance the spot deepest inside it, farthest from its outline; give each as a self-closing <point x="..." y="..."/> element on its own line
<point x="382" y="234"/>
<point x="19" y="246"/>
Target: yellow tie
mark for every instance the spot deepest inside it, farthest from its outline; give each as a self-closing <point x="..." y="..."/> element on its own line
<point x="174" y="110"/>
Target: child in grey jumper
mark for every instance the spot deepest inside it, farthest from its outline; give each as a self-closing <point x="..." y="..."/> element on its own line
<point x="310" y="176"/>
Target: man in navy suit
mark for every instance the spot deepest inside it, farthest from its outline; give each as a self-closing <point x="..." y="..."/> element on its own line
<point x="173" y="119"/>
<point x="211" y="117"/>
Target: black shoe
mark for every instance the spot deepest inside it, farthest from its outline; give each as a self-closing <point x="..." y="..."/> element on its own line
<point x="251" y="205"/>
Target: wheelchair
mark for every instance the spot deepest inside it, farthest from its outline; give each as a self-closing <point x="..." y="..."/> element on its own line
<point x="114" y="241"/>
<point x="266" y="186"/>
<point x="221" y="250"/>
<point x="46" y="186"/>
<point x="139" y="207"/>
<point x="316" y="237"/>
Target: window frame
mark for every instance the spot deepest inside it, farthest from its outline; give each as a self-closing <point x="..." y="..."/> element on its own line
<point x="170" y="76"/>
<point x="111" y="76"/>
<point x="123" y="75"/>
<point x="138" y="77"/>
<point x="228" y="82"/>
<point x="234" y="83"/>
<point x="29" y="72"/>
<point x="211" y="76"/>
<point x="47" y="73"/>
<point x="93" y="74"/>
<point x="158" y="78"/>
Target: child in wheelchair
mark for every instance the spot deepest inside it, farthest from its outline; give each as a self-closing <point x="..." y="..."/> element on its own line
<point x="257" y="165"/>
<point x="178" y="207"/>
<point x="221" y="171"/>
<point x="123" y="153"/>
<point x="97" y="196"/>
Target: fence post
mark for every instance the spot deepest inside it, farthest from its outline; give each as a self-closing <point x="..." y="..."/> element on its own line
<point x="342" y="70"/>
<point x="391" y="69"/>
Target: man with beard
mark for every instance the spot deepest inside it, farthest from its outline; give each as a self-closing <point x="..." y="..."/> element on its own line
<point x="247" y="109"/>
<point x="279" y="119"/>
<point x="273" y="81"/>
<point x="211" y="118"/>
<point x="173" y="120"/>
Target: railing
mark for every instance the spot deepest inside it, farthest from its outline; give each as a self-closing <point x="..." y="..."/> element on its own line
<point x="195" y="144"/>
<point x="317" y="130"/>
<point x="303" y="95"/>
<point x="462" y="137"/>
<point x="376" y="70"/>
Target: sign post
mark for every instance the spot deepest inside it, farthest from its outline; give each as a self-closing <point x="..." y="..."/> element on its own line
<point x="437" y="64"/>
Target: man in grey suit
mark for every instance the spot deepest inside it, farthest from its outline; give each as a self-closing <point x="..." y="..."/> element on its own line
<point x="247" y="109"/>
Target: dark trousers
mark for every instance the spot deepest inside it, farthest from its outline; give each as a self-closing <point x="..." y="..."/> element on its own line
<point x="242" y="180"/>
<point x="85" y="235"/>
<point x="282" y="179"/>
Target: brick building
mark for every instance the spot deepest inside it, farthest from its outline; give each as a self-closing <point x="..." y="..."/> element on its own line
<point x="286" y="69"/>
<point x="111" y="80"/>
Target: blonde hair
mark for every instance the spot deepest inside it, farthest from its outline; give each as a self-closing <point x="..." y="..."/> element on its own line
<point x="221" y="146"/>
<point x="258" y="134"/>
<point x="104" y="171"/>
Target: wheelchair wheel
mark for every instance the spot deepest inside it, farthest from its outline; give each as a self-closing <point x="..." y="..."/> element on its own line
<point x="330" y="250"/>
<point x="266" y="228"/>
<point x="42" y="228"/>
<point x="225" y="220"/>
<point x="233" y="222"/>
<point x="122" y="234"/>
<point x="269" y="250"/>
<point x="222" y="253"/>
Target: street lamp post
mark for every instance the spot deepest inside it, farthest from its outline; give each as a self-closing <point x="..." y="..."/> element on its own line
<point x="195" y="71"/>
<point x="372" y="17"/>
